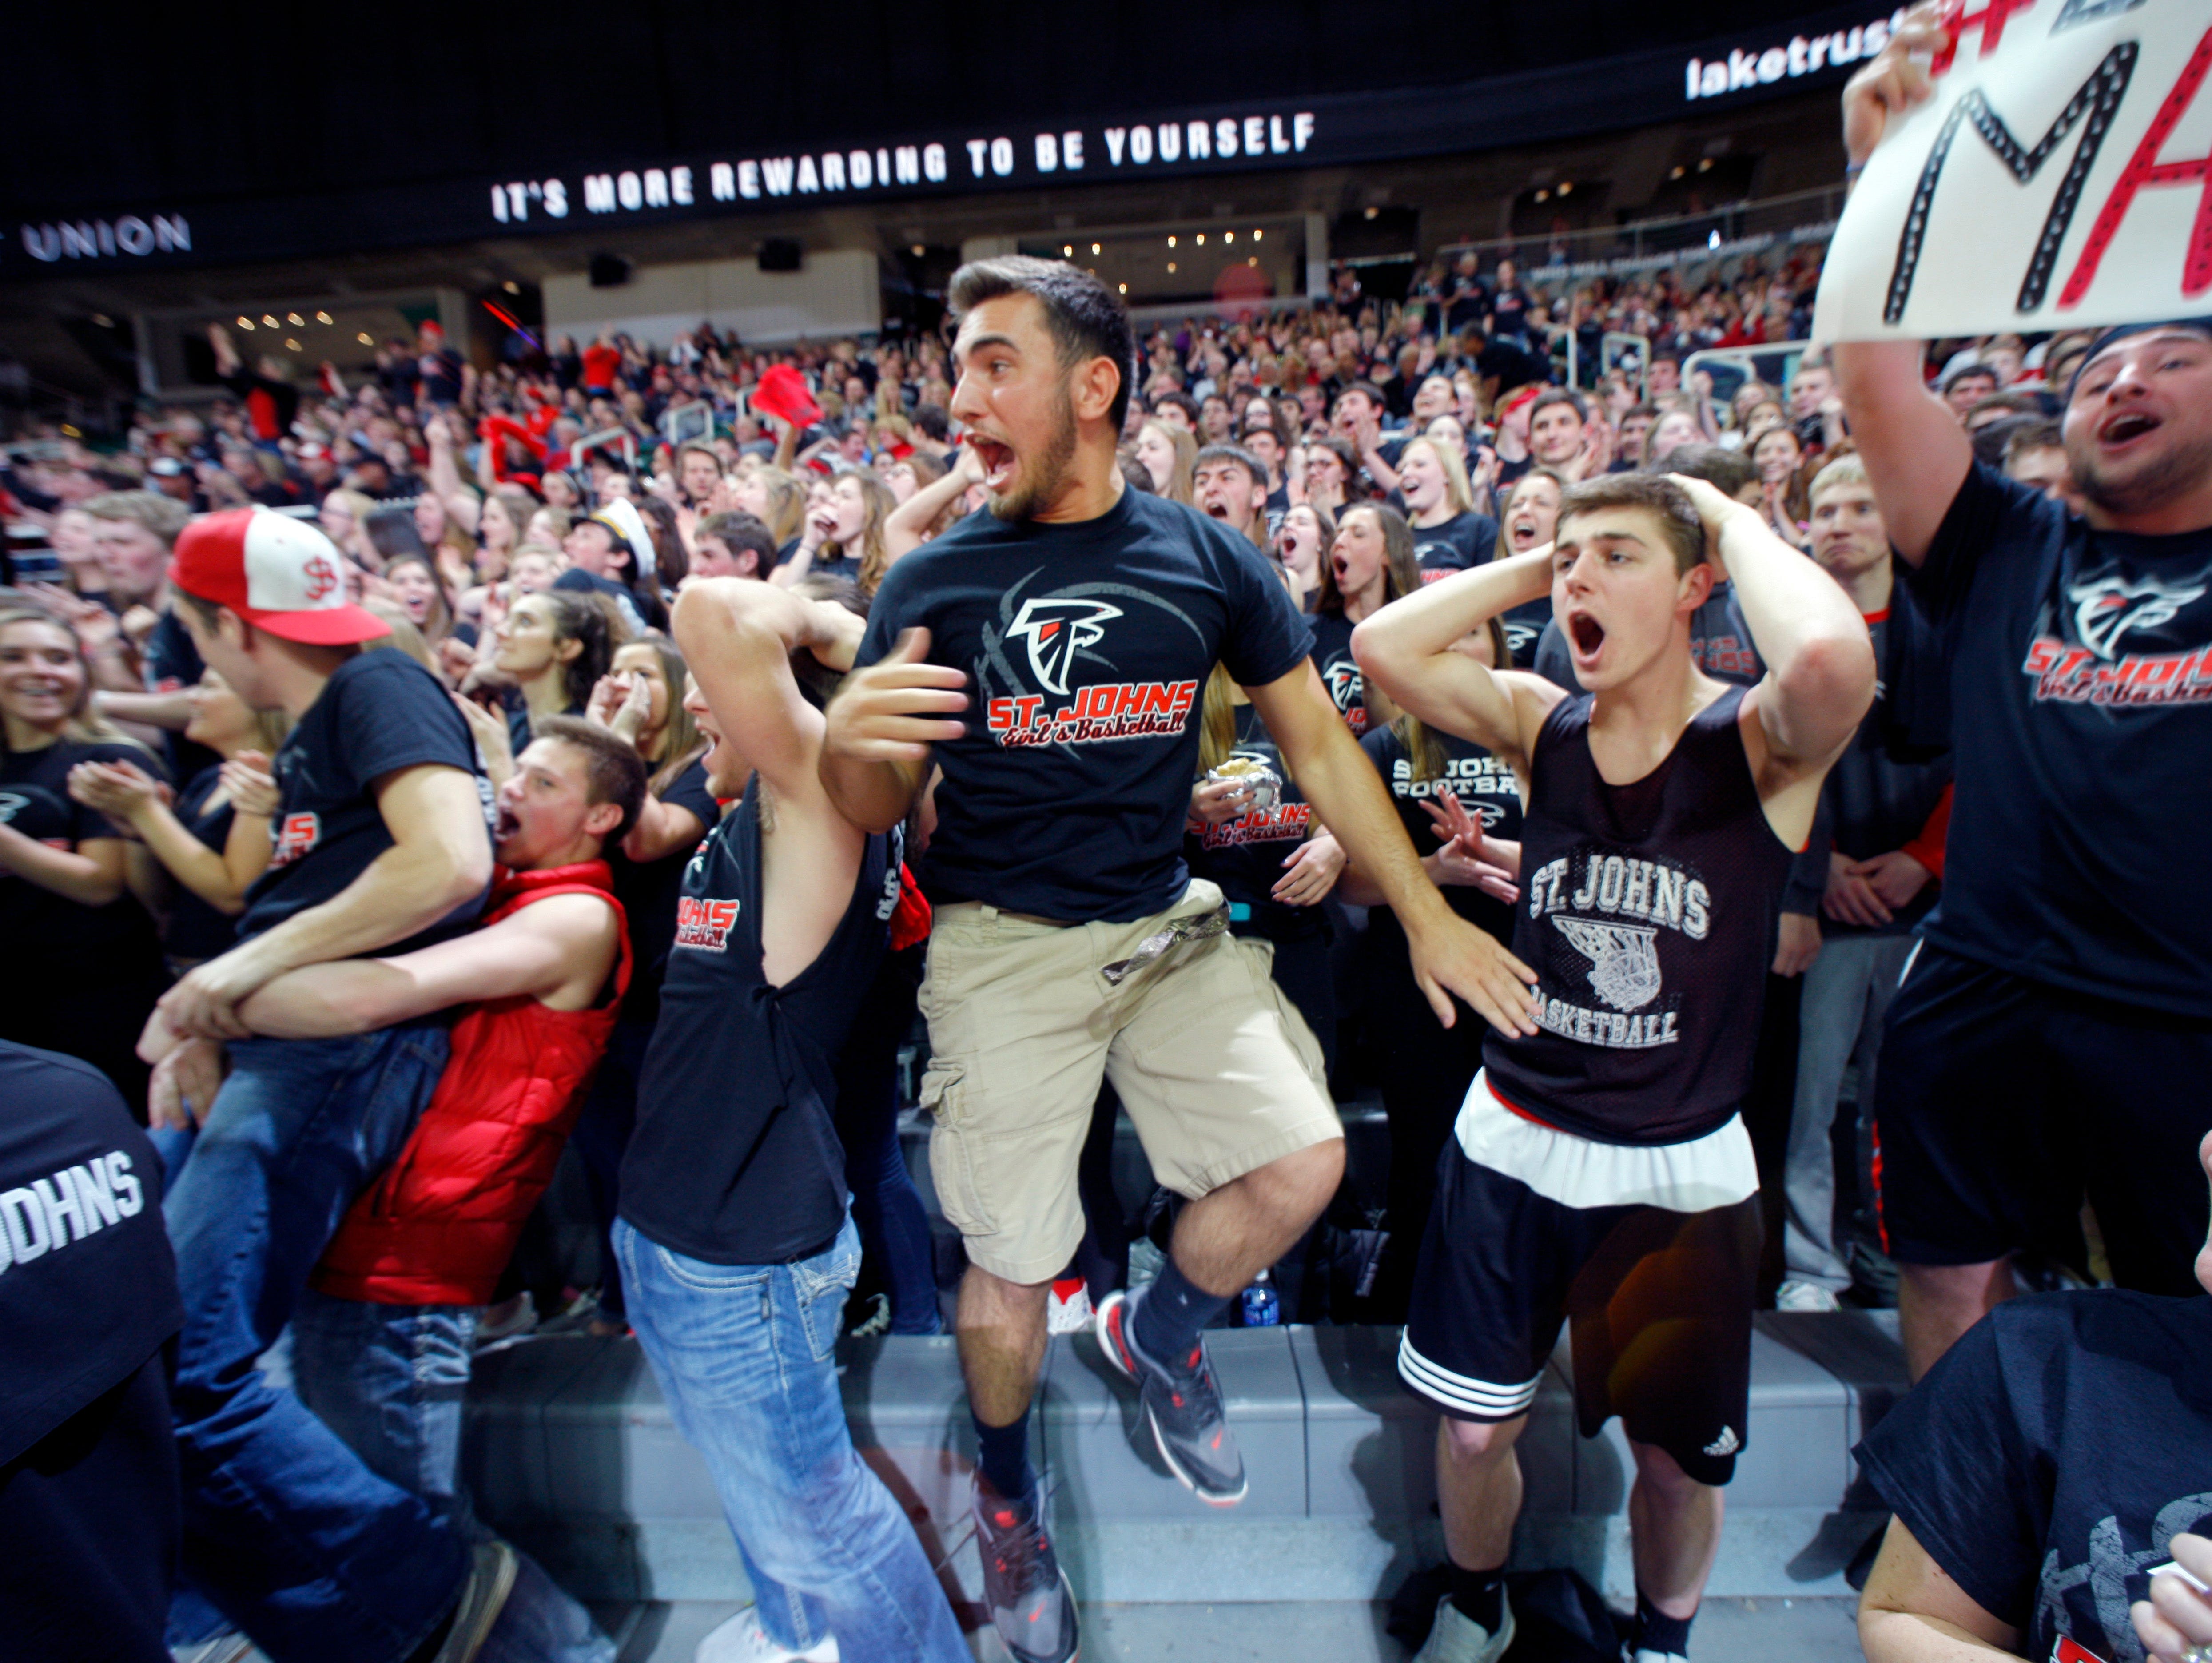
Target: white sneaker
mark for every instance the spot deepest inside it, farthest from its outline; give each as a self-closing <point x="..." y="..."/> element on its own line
<point x="483" y="1596"/>
<point x="742" y="1639"/>
<point x="1647" y="1655"/>
<point x="1069" y="1310"/>
<point x="1795" y="1296"/>
<point x="223" y="1648"/>
<point x="1456" y="1637"/>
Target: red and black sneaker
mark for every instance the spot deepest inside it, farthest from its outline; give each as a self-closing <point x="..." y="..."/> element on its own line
<point x="1181" y="1405"/>
<point x="1032" y="1606"/>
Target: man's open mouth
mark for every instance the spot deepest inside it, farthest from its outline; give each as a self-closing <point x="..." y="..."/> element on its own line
<point x="1219" y="510"/>
<point x="1589" y="635"/>
<point x="2126" y="425"/>
<point x="504" y="825"/>
<point x="997" y="461"/>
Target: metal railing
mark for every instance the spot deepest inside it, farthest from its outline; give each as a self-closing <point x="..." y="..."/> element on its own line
<point x="1721" y="232"/>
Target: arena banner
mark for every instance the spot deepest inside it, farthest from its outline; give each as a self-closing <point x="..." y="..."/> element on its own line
<point x="611" y="193"/>
<point x="2061" y="177"/>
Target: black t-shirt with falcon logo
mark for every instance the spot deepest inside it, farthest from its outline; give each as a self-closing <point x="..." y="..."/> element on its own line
<point x="380" y="713"/>
<point x="1086" y="646"/>
<point x="1464" y="540"/>
<point x="1339" y="670"/>
<point x="2081" y="666"/>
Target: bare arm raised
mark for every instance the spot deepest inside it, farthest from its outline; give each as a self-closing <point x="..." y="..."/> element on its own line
<point x="1916" y="454"/>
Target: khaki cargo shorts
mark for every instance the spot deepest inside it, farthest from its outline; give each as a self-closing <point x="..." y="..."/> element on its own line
<point x="1216" y="1068"/>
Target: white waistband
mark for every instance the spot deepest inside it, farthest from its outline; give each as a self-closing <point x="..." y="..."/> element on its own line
<point x="1715" y="1170"/>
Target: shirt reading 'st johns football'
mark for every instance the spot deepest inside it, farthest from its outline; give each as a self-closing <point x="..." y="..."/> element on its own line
<point x="1086" y="648"/>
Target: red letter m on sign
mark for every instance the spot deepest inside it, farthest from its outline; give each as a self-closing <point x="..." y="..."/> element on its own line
<point x="2145" y="169"/>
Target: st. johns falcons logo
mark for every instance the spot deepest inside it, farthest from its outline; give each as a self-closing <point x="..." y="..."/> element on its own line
<point x="1057" y="629"/>
<point x="1624" y="959"/>
<point x="1343" y="681"/>
<point x="2108" y="609"/>
<point x="12" y="803"/>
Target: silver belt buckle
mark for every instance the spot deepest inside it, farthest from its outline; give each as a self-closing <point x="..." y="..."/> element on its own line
<point x="1152" y="946"/>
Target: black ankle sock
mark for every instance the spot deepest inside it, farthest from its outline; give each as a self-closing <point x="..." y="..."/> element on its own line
<point x="1171" y="1314"/>
<point x="1480" y="1595"/>
<point x="1003" y="1456"/>
<point x="1656" y="1631"/>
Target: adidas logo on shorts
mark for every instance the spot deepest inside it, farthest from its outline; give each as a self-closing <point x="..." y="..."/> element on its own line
<point x="1727" y="1444"/>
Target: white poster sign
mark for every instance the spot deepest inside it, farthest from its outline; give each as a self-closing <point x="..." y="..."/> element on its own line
<point x="2060" y="177"/>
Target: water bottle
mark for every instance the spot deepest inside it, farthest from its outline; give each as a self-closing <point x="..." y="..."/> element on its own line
<point x="1262" y="1309"/>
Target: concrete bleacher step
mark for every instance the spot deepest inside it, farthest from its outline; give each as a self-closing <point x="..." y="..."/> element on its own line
<point x="571" y="1450"/>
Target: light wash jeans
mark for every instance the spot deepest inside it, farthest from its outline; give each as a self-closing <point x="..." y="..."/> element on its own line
<point x="743" y="1356"/>
<point x="1847" y="992"/>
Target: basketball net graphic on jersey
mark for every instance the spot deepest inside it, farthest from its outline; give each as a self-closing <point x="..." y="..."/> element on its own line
<point x="1624" y="959"/>
<point x="2106" y="610"/>
<point x="1056" y="630"/>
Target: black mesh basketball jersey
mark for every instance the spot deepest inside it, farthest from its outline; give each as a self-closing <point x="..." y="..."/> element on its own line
<point x="1647" y="911"/>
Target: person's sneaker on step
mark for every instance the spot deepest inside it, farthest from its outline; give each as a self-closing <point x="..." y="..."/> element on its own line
<point x="743" y="1640"/>
<point x="483" y="1597"/>
<point x="1031" y="1605"/>
<point x="1181" y="1403"/>
<point x="1458" y="1638"/>
<point x="1795" y="1296"/>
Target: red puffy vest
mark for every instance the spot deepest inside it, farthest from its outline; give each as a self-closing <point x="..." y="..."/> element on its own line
<point x="439" y="1225"/>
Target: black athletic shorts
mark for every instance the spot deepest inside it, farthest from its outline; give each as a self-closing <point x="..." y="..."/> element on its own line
<point x="1660" y="1302"/>
<point x="2001" y="1102"/>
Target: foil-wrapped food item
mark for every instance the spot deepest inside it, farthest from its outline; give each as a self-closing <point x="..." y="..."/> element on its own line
<point x="1264" y="783"/>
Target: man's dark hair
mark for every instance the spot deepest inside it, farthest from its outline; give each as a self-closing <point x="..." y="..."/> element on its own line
<point x="817" y="682"/>
<point x="1087" y="318"/>
<point x="931" y="422"/>
<point x="1183" y="402"/>
<point x="2044" y="436"/>
<point x="1726" y="471"/>
<point x="1649" y="412"/>
<point x="1668" y="502"/>
<point x="1254" y="469"/>
<point x="1371" y="393"/>
<point x="613" y="771"/>
<point x="1967" y="372"/>
<point x="1992" y="440"/>
<point x="2019" y="404"/>
<point x="1553" y="396"/>
<point x="1136" y="476"/>
<point x="738" y="531"/>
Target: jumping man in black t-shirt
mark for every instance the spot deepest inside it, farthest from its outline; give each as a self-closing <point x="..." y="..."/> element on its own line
<point x="1048" y="657"/>
<point x="2054" y="1035"/>
<point x="1602" y="1170"/>
<point x="379" y="844"/>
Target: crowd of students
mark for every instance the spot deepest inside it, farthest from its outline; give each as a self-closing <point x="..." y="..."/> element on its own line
<point x="1572" y="768"/>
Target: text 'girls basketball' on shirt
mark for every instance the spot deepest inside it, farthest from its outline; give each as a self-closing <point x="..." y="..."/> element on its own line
<point x="1087" y="645"/>
<point x="735" y="1160"/>
<point x="380" y="713"/>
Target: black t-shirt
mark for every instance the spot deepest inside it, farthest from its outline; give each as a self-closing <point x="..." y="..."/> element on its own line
<point x="1245" y="855"/>
<point x="48" y="932"/>
<point x="1086" y="646"/>
<point x="1484" y="783"/>
<point x="88" y="1283"/>
<point x="1339" y="670"/>
<point x="196" y="931"/>
<point x="650" y="892"/>
<point x="1464" y="540"/>
<point x="170" y="664"/>
<point x="736" y="1158"/>
<point x="2078" y="666"/>
<point x="2050" y="1455"/>
<point x="380" y="711"/>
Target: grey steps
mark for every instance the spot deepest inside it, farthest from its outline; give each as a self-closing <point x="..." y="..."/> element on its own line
<point x="571" y="1450"/>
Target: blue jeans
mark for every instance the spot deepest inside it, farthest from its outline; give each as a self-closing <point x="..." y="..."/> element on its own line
<point x="742" y="1355"/>
<point x="298" y="1541"/>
